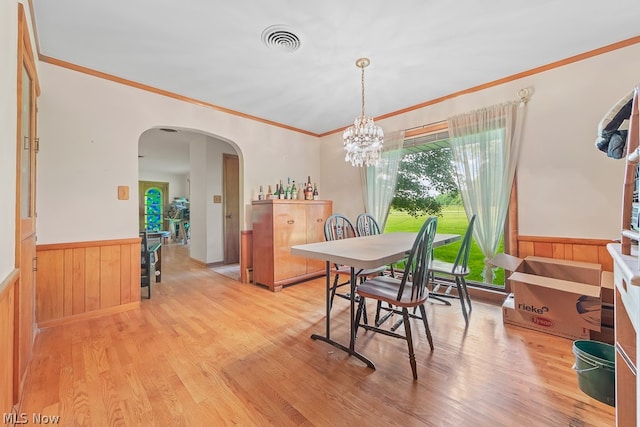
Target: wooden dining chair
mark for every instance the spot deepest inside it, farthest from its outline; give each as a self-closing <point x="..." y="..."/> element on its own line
<point x="445" y="275"/>
<point x="338" y="226"/>
<point x="404" y="293"/>
<point x="367" y="225"/>
<point x="147" y="270"/>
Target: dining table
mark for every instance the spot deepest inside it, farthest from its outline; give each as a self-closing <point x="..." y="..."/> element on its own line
<point x="360" y="253"/>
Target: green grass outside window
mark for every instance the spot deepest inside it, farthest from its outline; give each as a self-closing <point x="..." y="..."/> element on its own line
<point x="452" y="221"/>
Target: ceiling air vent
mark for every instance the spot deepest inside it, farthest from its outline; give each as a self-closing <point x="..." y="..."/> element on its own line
<point x="280" y="37"/>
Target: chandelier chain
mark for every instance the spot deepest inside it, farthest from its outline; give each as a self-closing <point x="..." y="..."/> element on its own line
<point x="362" y="81"/>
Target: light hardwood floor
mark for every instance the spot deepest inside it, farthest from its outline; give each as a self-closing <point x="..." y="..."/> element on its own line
<point x="207" y="350"/>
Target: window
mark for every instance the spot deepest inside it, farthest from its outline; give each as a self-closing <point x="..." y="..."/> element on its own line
<point x="153" y="202"/>
<point x="424" y="154"/>
<point x="153" y="209"/>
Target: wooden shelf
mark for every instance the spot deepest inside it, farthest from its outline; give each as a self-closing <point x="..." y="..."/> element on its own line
<point x="626" y="267"/>
<point x="627" y="264"/>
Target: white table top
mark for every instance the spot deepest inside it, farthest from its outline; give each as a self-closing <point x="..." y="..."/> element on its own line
<point x="368" y="251"/>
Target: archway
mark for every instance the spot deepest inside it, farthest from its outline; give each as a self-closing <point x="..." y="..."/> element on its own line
<point x="191" y="162"/>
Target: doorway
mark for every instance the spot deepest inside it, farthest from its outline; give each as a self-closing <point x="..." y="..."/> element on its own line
<point x="203" y="169"/>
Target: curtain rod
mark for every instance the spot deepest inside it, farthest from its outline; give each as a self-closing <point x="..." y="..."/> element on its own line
<point x="523" y="95"/>
<point x="425" y="126"/>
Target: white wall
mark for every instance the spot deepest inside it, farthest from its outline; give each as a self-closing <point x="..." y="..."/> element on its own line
<point x="566" y="187"/>
<point x="89" y="131"/>
<point x="8" y="120"/>
<point x="206" y="217"/>
<point x="197" y="205"/>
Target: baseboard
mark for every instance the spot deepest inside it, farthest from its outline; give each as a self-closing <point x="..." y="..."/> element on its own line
<point x="490" y="296"/>
<point x="89" y="315"/>
<point x="198" y="262"/>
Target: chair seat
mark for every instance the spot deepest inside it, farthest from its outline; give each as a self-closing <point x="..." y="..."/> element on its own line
<point x="386" y="288"/>
<point x="444" y="267"/>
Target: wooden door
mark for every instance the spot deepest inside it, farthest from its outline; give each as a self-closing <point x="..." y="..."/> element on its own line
<point x="27" y="148"/>
<point x="231" y="203"/>
<point x="289" y="229"/>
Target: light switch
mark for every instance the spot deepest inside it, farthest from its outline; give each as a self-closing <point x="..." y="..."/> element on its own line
<point x="217" y="199"/>
<point x="123" y="192"/>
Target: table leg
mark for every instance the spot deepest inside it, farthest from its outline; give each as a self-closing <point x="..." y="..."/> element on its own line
<point x="328" y="299"/>
<point x="352" y="301"/>
<point x="326" y="338"/>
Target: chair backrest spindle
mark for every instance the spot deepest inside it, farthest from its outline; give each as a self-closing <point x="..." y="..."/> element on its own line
<point x="367" y="225"/>
<point x="462" y="259"/>
<point x="338" y="227"/>
<point x="417" y="267"/>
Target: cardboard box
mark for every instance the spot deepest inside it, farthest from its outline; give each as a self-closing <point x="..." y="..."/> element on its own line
<point x="511" y="316"/>
<point x="564" y="294"/>
<point x="606" y="284"/>
<point x="608" y="315"/>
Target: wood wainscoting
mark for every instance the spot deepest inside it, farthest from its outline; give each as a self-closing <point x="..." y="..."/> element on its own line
<point x="7" y="326"/>
<point x="585" y="250"/>
<point x="246" y="255"/>
<point x="86" y="279"/>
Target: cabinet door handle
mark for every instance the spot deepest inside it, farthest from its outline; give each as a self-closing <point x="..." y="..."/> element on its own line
<point x="319" y="220"/>
<point x="290" y="221"/>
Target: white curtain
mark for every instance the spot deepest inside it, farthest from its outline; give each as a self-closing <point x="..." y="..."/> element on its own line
<point x="379" y="182"/>
<point x="484" y="146"/>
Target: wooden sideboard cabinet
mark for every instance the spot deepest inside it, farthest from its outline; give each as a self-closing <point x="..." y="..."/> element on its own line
<point x="626" y="276"/>
<point x="278" y="225"/>
<point x="627" y="320"/>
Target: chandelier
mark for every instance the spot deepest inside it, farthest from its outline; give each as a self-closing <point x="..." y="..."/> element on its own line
<point x="363" y="141"/>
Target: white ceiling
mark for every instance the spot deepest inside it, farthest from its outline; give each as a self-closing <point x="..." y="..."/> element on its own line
<point x="211" y="50"/>
<point x="420" y="50"/>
